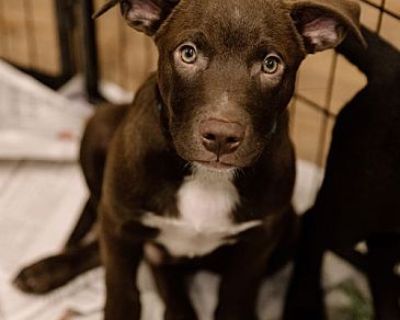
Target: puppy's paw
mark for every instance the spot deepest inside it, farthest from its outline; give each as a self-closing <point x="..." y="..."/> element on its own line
<point x="45" y="275"/>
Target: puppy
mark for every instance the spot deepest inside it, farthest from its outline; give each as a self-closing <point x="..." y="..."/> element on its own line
<point x="198" y="172"/>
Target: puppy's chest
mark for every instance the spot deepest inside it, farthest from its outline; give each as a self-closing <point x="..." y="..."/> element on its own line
<point x="206" y="205"/>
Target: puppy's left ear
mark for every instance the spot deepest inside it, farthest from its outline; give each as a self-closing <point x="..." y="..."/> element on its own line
<point x="323" y="24"/>
<point x="143" y="15"/>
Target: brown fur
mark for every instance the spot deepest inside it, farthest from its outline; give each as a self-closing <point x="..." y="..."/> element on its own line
<point x="148" y="156"/>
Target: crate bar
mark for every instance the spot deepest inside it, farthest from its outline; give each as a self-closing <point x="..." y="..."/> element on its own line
<point x="381" y="8"/>
<point x="90" y="56"/>
<point x="65" y="25"/>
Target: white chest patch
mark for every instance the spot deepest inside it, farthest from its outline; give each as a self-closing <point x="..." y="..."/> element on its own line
<point x="205" y="202"/>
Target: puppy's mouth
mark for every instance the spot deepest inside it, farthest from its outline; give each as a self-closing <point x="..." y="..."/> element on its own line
<point x="216" y="165"/>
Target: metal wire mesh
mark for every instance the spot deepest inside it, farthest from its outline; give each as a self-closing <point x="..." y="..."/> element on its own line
<point x="318" y="101"/>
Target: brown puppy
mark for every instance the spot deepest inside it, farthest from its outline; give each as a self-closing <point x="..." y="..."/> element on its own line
<point x="200" y="168"/>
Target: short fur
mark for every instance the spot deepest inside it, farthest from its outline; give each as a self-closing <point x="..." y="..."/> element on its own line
<point x="224" y="111"/>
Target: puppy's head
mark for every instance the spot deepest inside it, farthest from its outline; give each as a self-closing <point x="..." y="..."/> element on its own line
<point x="227" y="69"/>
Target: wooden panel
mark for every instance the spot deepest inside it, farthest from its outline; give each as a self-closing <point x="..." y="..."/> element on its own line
<point x="348" y="80"/>
<point x="307" y="124"/>
<point x="44" y="21"/>
<point x="127" y="57"/>
<point x="313" y="77"/>
<point x="369" y="16"/>
<point x="28" y="32"/>
<point x="4" y="38"/>
<point x="15" y="33"/>
<point x="391" y="30"/>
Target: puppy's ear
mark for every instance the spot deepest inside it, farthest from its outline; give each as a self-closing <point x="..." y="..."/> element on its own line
<point x="324" y="24"/>
<point x="143" y="15"/>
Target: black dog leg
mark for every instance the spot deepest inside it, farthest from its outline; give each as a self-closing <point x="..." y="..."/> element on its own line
<point x="383" y="261"/>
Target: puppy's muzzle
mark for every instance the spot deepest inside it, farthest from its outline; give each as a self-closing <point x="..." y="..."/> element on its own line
<point x="221" y="137"/>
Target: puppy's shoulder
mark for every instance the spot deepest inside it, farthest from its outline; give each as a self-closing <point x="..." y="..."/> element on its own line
<point x="142" y="121"/>
<point x="141" y="133"/>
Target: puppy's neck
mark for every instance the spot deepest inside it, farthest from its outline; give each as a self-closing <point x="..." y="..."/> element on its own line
<point x="206" y="201"/>
<point x="208" y="195"/>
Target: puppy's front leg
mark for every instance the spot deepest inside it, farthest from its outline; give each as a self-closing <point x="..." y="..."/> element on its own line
<point x="170" y="280"/>
<point x="241" y="282"/>
<point x="121" y="258"/>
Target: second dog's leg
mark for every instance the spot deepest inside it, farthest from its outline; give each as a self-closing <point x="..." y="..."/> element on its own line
<point x="55" y="271"/>
<point x="383" y="257"/>
<point x="241" y="280"/>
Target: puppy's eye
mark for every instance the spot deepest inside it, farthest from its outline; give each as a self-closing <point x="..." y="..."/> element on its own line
<point x="271" y="64"/>
<point x="188" y="53"/>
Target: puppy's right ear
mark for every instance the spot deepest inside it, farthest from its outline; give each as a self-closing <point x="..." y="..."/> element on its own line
<point x="143" y="15"/>
<point x="323" y="24"/>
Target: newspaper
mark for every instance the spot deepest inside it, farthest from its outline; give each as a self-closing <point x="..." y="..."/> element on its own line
<point x="36" y="122"/>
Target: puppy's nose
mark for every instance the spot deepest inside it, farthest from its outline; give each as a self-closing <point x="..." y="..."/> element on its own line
<point x="221" y="137"/>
